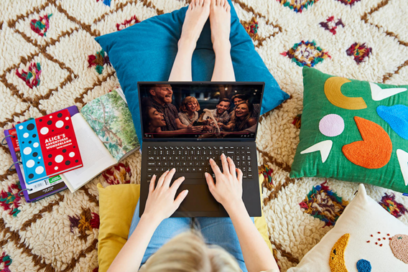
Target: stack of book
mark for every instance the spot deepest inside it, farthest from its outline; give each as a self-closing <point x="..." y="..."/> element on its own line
<point x="68" y="148"/>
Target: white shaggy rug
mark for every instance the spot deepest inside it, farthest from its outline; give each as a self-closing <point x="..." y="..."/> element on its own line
<point x="60" y="233"/>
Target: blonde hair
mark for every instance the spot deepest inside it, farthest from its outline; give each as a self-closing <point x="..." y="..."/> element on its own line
<point x="187" y="100"/>
<point x="187" y="252"/>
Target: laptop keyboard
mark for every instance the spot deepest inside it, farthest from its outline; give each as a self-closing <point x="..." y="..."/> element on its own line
<point x="193" y="161"/>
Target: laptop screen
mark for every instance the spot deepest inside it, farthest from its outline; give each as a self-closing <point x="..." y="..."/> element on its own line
<point x="200" y="110"/>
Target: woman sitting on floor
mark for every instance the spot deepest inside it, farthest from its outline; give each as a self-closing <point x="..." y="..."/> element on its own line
<point x="233" y="243"/>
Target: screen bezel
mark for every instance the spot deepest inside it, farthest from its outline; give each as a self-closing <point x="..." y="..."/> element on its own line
<point x="199" y="83"/>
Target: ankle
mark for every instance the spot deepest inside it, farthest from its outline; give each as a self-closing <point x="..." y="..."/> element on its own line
<point x="187" y="44"/>
<point x="222" y="46"/>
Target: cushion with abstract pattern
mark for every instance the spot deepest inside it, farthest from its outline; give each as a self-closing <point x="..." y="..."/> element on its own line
<point x="365" y="238"/>
<point x="354" y="131"/>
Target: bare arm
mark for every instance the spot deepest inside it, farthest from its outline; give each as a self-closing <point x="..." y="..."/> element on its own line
<point x="252" y="121"/>
<point x="229" y="126"/>
<point x="257" y="254"/>
<point x="160" y="205"/>
<point x="228" y="191"/>
<point x="131" y="254"/>
<point x="180" y="125"/>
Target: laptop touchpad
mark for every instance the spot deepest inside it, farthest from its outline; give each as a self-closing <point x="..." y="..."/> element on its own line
<point x="199" y="199"/>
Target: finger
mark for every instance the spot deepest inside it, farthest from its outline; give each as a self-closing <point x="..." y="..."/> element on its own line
<point x="210" y="182"/>
<point x="239" y="175"/>
<point x="161" y="179"/>
<point x="151" y="185"/>
<point x="169" y="177"/>
<point x="180" y="198"/>
<point x="215" y="167"/>
<point x="232" y="167"/>
<point x="176" y="184"/>
<point x="224" y="163"/>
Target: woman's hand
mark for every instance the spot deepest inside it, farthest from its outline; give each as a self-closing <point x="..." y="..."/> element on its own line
<point x="228" y="188"/>
<point x="194" y="129"/>
<point x="160" y="202"/>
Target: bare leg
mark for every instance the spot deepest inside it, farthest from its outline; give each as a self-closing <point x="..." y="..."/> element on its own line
<point x="196" y="16"/>
<point x="220" y="19"/>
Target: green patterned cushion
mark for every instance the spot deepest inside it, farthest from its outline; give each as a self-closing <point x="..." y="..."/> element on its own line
<point x="354" y="131"/>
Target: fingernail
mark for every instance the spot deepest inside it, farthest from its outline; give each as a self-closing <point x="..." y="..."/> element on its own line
<point x="186" y="192"/>
<point x="205" y="174"/>
<point x="173" y="169"/>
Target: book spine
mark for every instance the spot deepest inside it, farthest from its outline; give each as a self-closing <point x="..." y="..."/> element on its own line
<point x="15" y="160"/>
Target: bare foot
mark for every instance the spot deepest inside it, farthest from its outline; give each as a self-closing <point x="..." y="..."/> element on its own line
<point x="220" y="19"/>
<point x="196" y="16"/>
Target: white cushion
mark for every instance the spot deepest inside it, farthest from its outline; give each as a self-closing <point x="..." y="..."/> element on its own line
<point x="362" y="218"/>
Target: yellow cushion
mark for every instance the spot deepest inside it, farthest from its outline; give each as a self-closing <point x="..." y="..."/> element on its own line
<point x="260" y="222"/>
<point x="117" y="205"/>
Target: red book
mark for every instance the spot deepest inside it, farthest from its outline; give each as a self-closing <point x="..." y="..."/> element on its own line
<point x="58" y="142"/>
<point x="55" y="149"/>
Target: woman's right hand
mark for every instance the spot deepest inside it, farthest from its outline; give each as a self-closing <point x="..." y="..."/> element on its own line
<point x="228" y="188"/>
<point x="194" y="129"/>
<point x="161" y="201"/>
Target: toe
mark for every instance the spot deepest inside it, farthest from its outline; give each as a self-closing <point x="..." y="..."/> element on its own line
<point x="200" y="3"/>
<point x="227" y="5"/>
<point x="207" y="2"/>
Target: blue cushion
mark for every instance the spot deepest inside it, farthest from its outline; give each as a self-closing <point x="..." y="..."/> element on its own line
<point x="146" y="52"/>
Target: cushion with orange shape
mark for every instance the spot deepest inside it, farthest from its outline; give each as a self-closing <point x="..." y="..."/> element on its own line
<point x="374" y="151"/>
<point x="353" y="130"/>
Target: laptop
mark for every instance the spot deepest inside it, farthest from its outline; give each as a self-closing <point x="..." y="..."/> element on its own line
<point x="184" y="124"/>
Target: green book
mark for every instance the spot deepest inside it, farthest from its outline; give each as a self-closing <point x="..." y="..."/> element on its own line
<point x="111" y="120"/>
<point x="105" y="134"/>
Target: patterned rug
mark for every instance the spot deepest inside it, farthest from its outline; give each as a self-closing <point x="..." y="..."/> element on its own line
<point x="49" y="60"/>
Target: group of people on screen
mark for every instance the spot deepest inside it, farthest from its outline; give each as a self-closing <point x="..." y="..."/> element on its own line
<point x="161" y="118"/>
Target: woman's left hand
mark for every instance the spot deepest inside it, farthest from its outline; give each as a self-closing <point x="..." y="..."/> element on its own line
<point x="160" y="203"/>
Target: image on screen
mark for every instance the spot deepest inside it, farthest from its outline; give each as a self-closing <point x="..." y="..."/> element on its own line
<point x="200" y="110"/>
